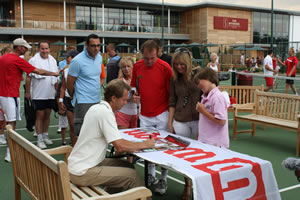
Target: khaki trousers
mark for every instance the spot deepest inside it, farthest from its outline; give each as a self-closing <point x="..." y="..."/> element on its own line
<point x="113" y="173"/>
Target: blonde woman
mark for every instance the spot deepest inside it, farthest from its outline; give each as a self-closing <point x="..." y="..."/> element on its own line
<point x="184" y="95"/>
<point x="127" y="116"/>
<point x="213" y="64"/>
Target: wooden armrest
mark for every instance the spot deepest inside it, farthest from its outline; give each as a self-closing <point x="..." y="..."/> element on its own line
<point x="243" y="106"/>
<point x="59" y="150"/>
<point x="248" y="107"/>
<point x="134" y="193"/>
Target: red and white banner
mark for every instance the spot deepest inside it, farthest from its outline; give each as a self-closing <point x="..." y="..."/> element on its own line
<point x="217" y="173"/>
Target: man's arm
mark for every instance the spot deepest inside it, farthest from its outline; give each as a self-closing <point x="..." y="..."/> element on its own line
<point x="282" y="63"/>
<point x="127" y="146"/>
<point x="27" y="87"/>
<point x="269" y="68"/>
<point x="201" y="109"/>
<point x="70" y="84"/>
<point x="45" y="72"/>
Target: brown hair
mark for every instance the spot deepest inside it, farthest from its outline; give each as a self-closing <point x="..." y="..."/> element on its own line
<point x="150" y="45"/>
<point x="115" y="88"/>
<point x="207" y="73"/>
<point x="111" y="46"/>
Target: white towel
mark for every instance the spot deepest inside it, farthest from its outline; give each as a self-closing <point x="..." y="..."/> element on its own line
<point x="37" y="61"/>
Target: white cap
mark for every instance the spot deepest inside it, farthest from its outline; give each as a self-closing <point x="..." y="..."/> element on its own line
<point x="21" y="42"/>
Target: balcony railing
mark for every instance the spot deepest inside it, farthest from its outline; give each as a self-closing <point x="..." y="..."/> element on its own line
<point x="52" y="25"/>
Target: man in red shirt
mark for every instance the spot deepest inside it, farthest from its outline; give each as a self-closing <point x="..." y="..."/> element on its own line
<point x="151" y="78"/>
<point x="11" y="70"/>
<point x="291" y="68"/>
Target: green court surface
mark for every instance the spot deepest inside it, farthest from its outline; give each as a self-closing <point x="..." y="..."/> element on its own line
<point x="272" y="144"/>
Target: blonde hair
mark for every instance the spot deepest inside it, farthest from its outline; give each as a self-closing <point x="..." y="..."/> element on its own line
<point x="213" y="55"/>
<point x="125" y="60"/>
<point x="184" y="58"/>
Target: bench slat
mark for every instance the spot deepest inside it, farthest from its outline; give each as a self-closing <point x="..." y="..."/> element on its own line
<point x="270" y="120"/>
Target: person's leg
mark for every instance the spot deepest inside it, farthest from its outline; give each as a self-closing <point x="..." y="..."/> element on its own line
<point x="162" y="124"/>
<point x="182" y="128"/>
<point x="39" y="128"/>
<point x="294" y="89"/>
<point x="194" y="126"/>
<point x="113" y="173"/>
<point x="73" y="137"/>
<point x="11" y="113"/>
<point x="149" y="122"/>
<point x="46" y="122"/>
<point x="79" y="113"/>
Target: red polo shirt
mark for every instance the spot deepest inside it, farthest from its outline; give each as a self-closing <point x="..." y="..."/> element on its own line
<point x="153" y="86"/>
<point x="11" y="70"/>
<point x="290" y="63"/>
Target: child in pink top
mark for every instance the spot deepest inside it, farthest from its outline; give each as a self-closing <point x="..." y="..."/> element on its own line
<point x="213" y="119"/>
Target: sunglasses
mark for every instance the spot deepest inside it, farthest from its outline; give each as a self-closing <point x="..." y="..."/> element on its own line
<point x="183" y="50"/>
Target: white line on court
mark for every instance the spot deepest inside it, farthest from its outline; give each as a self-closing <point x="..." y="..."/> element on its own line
<point x="289" y="188"/>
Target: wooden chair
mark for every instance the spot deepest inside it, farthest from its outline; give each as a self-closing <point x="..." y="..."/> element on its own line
<point x="45" y="178"/>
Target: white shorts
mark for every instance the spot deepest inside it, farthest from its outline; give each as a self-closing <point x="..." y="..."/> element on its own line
<point x="11" y="108"/>
<point x="159" y="122"/>
<point x="63" y="121"/>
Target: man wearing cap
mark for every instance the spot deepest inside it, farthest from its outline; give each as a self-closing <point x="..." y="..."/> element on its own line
<point x="83" y="82"/>
<point x="11" y="69"/>
<point x="42" y="89"/>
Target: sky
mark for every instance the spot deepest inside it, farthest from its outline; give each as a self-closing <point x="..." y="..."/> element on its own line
<point x="293" y="5"/>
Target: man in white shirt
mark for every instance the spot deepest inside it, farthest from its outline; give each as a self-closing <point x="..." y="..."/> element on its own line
<point x="87" y="163"/>
<point x="41" y="89"/>
<point x="268" y="71"/>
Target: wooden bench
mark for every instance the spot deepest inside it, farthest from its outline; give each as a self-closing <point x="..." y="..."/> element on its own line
<point x="272" y="109"/>
<point x="242" y="94"/>
<point x="43" y="177"/>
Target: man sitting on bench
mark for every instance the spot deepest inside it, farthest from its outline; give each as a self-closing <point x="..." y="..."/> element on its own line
<point x="87" y="163"/>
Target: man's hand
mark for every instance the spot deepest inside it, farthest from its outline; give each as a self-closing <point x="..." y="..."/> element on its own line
<point x="149" y="144"/>
<point x="170" y="127"/>
<point x="136" y="98"/>
<point x="200" y="107"/>
<point x="27" y="95"/>
<point x="62" y="108"/>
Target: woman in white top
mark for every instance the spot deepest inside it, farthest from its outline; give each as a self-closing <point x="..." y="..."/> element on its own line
<point x="127" y="116"/>
<point x="213" y="63"/>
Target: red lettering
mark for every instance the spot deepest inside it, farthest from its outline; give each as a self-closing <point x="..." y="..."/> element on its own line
<point x="142" y="135"/>
<point x="193" y="151"/>
<point x="236" y="184"/>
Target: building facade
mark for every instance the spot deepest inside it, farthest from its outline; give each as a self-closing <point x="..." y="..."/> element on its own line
<point x="71" y="21"/>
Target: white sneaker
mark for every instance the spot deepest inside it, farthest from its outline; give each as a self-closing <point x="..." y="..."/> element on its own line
<point x="47" y="140"/>
<point x="7" y="156"/>
<point x="2" y="139"/>
<point x="161" y="187"/>
<point x="34" y="134"/>
<point x="41" y="144"/>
